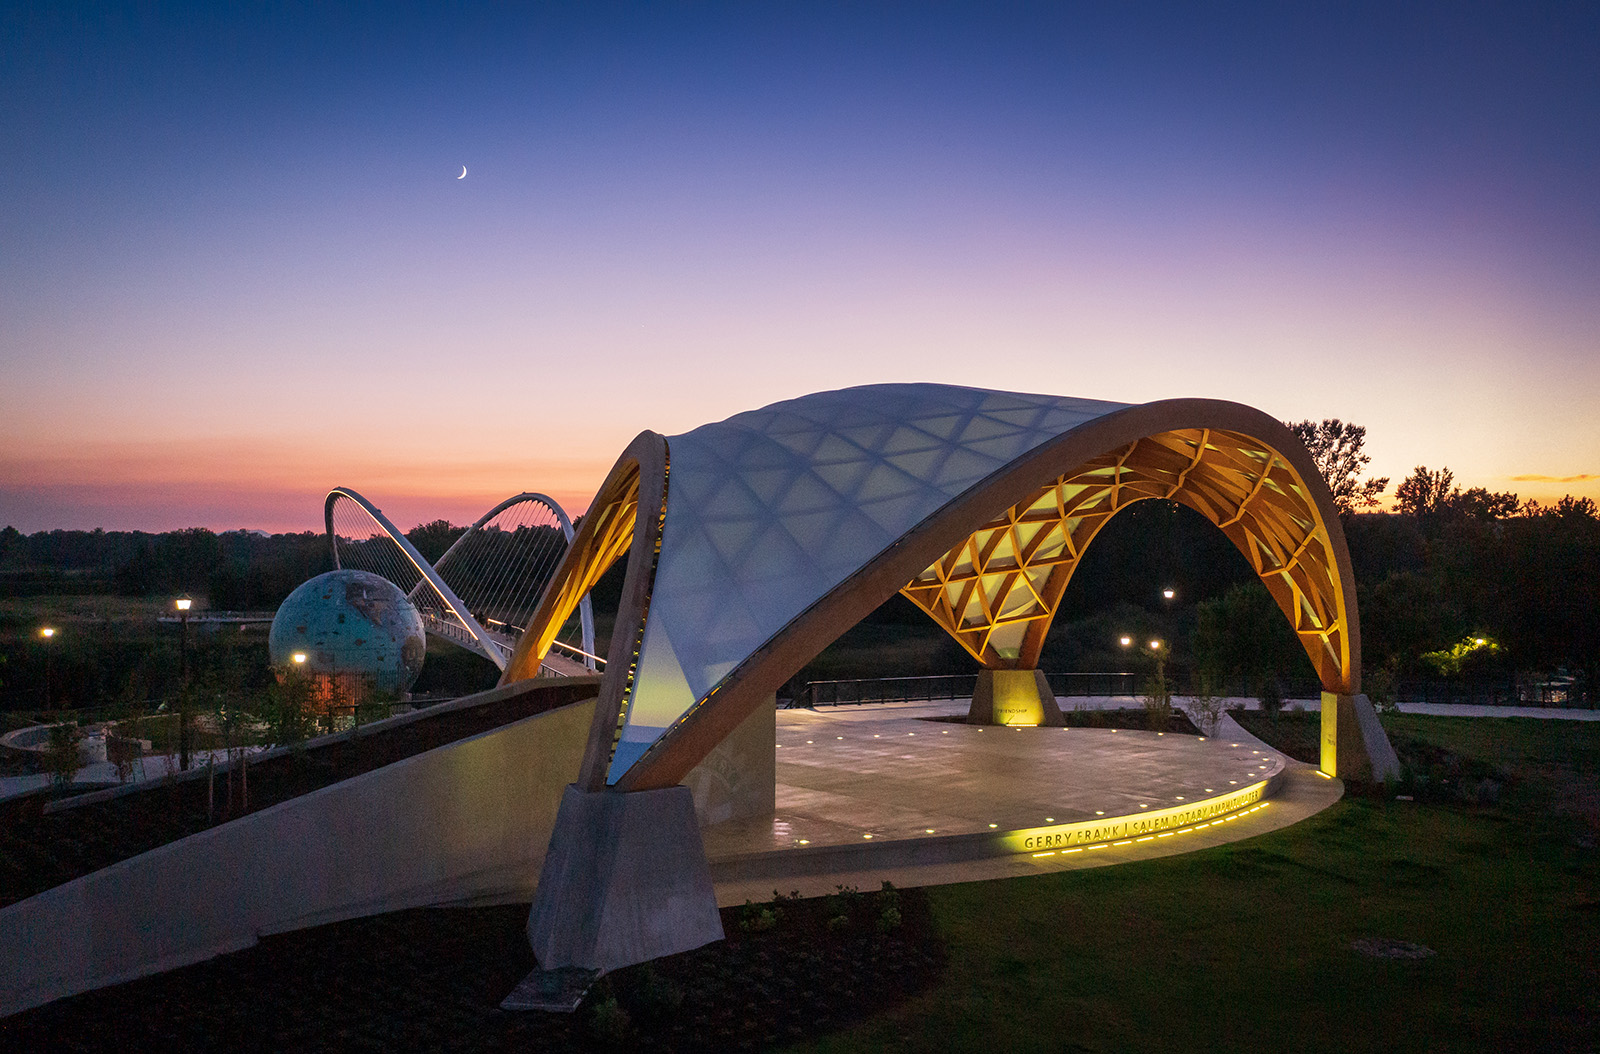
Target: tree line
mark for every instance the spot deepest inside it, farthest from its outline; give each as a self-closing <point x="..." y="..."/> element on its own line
<point x="1452" y="583"/>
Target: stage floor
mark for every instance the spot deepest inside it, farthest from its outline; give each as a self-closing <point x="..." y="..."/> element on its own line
<point x="891" y="788"/>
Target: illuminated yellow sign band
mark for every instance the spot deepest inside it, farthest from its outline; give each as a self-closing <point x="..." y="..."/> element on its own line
<point x="1143" y="826"/>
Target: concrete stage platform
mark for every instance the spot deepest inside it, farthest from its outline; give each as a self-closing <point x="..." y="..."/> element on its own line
<point x="891" y="792"/>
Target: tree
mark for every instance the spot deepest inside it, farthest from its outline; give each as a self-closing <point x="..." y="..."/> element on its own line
<point x="1423" y="492"/>
<point x="432" y="539"/>
<point x="1431" y="496"/>
<point x="1242" y="640"/>
<point x="1336" y="447"/>
<point x="1482" y="504"/>
<point x="10" y="538"/>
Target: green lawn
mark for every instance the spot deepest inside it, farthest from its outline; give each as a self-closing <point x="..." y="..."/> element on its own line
<point x="1248" y="946"/>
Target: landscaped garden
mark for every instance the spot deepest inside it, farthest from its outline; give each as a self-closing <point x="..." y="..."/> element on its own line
<point x="1447" y="922"/>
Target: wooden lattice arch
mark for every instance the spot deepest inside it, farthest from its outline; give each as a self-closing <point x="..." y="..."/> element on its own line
<point x="998" y="590"/>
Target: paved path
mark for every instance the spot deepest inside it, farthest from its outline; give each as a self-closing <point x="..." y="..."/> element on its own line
<point x="1465" y="710"/>
<point x="1124" y="702"/>
<point x="104" y="773"/>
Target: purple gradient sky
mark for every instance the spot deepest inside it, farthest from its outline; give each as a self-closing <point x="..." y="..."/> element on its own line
<point x="236" y="267"/>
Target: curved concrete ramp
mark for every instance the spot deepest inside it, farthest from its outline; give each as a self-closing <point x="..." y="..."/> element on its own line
<point x="463" y="823"/>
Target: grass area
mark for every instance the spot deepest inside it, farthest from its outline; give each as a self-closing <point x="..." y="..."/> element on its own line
<point x="1249" y="946"/>
<point x="74" y="608"/>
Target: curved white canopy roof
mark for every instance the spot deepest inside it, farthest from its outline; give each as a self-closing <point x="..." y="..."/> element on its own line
<point x="771" y="509"/>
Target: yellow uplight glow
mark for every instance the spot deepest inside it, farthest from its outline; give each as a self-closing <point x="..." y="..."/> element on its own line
<point x="1124" y="830"/>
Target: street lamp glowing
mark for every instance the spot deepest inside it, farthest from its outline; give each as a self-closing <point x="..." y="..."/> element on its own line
<point x="1169" y="593"/>
<point x="1126" y="641"/>
<point x="47" y="632"/>
<point x="1155" y="645"/>
<point x="183" y="603"/>
<point x="299" y="656"/>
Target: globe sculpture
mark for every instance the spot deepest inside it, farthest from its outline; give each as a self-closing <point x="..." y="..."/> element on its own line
<point x="351" y="626"/>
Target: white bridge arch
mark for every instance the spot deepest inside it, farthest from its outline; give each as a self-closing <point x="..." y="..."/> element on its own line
<point x="483" y="590"/>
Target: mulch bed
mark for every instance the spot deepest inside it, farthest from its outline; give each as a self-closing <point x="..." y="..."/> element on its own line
<point x="39" y="851"/>
<point x="1297" y="734"/>
<point x="432" y="979"/>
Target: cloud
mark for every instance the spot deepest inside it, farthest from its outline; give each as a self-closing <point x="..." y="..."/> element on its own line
<point x="1583" y="477"/>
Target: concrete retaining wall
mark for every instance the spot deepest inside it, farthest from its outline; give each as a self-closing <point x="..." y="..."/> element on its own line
<point x="464" y="823"/>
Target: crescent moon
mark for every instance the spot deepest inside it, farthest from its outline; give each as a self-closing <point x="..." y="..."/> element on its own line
<point x="463" y="174"/>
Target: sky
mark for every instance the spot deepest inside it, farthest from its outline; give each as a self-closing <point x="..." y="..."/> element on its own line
<point x="238" y="267"/>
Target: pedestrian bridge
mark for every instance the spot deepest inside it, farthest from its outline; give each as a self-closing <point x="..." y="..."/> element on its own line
<point x="483" y="590"/>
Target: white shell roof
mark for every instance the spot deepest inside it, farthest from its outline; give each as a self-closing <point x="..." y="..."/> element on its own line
<point x="771" y="509"/>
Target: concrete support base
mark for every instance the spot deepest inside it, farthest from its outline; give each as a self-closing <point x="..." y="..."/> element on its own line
<point x="1013" y="697"/>
<point x="625" y="881"/>
<point x="738" y="780"/>
<point x="1354" y="745"/>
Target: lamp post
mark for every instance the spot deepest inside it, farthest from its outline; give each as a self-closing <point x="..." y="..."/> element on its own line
<point x="46" y="633"/>
<point x="1157" y="698"/>
<point x="1156" y="648"/>
<point x="182" y="604"/>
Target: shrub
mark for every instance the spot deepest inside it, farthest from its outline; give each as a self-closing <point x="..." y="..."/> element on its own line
<point x="889" y="918"/>
<point x="609" y="1021"/>
<point x="1158" y="699"/>
<point x="758" y="918"/>
<point x="61" y="758"/>
<point x="1270" y="693"/>
<point x="1207" y="704"/>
